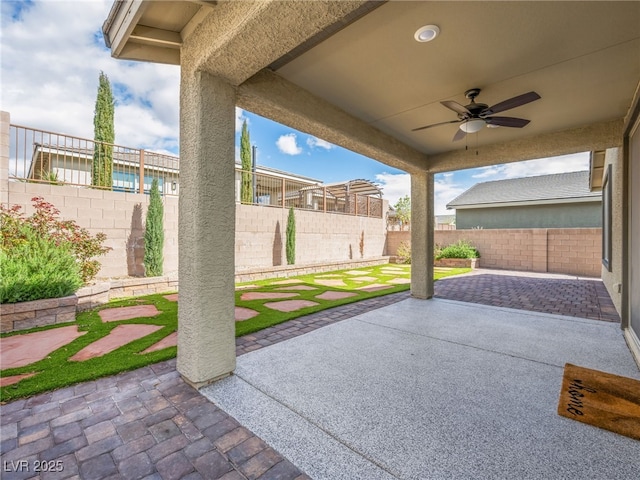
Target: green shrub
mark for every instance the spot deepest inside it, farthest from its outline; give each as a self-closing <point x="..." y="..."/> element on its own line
<point x="290" y="246"/>
<point x="37" y="267"/>
<point x="462" y="249"/>
<point x="154" y="234"/>
<point x="404" y="253"/>
<point x="16" y="229"/>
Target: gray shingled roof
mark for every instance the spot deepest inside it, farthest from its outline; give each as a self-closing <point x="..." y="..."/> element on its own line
<point x="559" y="186"/>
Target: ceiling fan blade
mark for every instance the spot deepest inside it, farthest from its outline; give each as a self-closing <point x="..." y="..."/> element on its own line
<point x="456" y="107"/>
<point x="435" y="125"/>
<point x="460" y="134"/>
<point x="507" y="121"/>
<point x="511" y="103"/>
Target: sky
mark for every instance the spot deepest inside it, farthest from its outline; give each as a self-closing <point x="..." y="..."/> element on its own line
<point x="52" y="52"/>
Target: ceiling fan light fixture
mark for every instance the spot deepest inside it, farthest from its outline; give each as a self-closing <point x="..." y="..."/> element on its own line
<point x="472" y="126"/>
<point x="426" y="33"/>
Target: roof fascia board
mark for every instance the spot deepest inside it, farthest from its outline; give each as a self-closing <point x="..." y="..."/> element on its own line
<point x="598" y="136"/>
<point x="527" y="203"/>
<point x="119" y="29"/>
<point x="271" y="96"/>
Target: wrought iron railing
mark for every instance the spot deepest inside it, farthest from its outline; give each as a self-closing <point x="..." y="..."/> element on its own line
<point x="46" y="157"/>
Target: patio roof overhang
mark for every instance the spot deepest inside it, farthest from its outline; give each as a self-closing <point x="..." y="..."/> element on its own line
<point x="359" y="60"/>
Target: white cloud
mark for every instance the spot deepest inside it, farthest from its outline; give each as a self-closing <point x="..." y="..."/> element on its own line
<point x="445" y="189"/>
<point x="545" y="166"/>
<point x="240" y="119"/>
<point x="314" y="142"/>
<point x="52" y="54"/>
<point x="394" y="186"/>
<point x="287" y="144"/>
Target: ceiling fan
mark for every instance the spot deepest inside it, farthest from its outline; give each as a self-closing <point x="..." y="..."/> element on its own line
<point x="475" y="116"/>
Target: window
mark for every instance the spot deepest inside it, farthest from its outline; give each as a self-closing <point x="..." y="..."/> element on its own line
<point x="606" y="218"/>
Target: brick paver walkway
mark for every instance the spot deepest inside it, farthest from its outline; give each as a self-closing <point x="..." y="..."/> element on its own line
<point x="560" y="296"/>
<point x="149" y="424"/>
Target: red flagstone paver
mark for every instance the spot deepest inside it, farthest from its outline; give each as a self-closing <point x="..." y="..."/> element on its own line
<point x="4" y="381"/>
<point x="127" y="313"/>
<point x="119" y="336"/>
<point x="330" y="283"/>
<point x="170" y="340"/>
<point x="243" y="313"/>
<point x="374" y="287"/>
<point x="265" y="295"/>
<point x="172" y="297"/>
<point x="20" y="350"/>
<point x="331" y="295"/>
<point x="298" y="287"/>
<point x="400" y="281"/>
<point x="290" y="305"/>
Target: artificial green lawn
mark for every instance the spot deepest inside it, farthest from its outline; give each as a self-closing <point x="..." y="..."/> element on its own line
<point x="56" y="371"/>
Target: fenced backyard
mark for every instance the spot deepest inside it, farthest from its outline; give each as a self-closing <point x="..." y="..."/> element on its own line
<point x="39" y="156"/>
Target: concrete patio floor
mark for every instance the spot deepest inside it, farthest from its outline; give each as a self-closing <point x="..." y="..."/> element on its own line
<point x="438" y="389"/>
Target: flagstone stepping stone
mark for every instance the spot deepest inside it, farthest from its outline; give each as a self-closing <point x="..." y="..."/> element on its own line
<point x="119" y="336"/>
<point x="243" y="314"/>
<point x="357" y="272"/>
<point x="127" y="313"/>
<point x="331" y="275"/>
<point x="297" y="287"/>
<point x="393" y="270"/>
<point x="170" y="340"/>
<point x="290" y="305"/>
<point x="364" y="279"/>
<point x="4" y="381"/>
<point x="400" y="281"/>
<point x="172" y="298"/>
<point x="287" y="282"/>
<point x="18" y="350"/>
<point x="330" y="283"/>
<point x="266" y="295"/>
<point x="374" y="287"/>
<point x="330" y="295"/>
<point x="246" y="287"/>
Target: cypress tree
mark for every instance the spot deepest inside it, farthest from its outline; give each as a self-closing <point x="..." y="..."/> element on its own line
<point x="246" y="187"/>
<point x="154" y="234"/>
<point x="291" y="238"/>
<point x="104" y="135"/>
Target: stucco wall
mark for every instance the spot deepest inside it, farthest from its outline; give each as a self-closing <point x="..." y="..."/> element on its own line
<point x="613" y="278"/>
<point x="576" y="215"/>
<point x="574" y="251"/>
<point x="260" y="230"/>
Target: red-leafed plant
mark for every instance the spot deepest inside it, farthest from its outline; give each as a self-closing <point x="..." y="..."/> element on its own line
<point x="45" y="223"/>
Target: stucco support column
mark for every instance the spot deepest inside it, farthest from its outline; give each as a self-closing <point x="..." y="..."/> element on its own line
<point x="422" y="218"/>
<point x="206" y="325"/>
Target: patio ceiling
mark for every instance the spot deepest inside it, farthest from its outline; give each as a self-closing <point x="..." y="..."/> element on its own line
<point x="583" y="58"/>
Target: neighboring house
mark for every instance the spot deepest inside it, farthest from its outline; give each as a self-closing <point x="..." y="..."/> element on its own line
<point x="71" y="160"/>
<point x="563" y="200"/>
<point x="68" y="160"/>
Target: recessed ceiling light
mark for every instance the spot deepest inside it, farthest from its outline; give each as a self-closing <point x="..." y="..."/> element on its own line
<point x="426" y="33"/>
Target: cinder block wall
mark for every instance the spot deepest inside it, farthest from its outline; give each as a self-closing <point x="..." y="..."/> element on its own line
<point x="320" y="237"/>
<point x="120" y="216"/>
<point x="260" y="230"/>
<point x="573" y="251"/>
